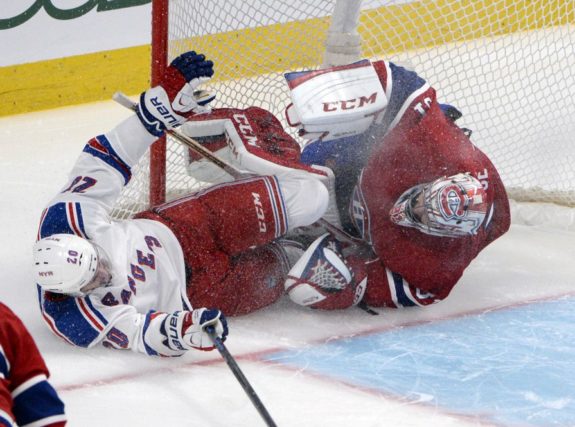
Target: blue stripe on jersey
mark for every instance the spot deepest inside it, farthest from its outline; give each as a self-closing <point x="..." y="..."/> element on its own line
<point x="80" y="218"/>
<point x="4" y="371"/>
<point x="402" y="298"/>
<point x="56" y="220"/>
<point x="4" y="366"/>
<point x="69" y="320"/>
<point x="147" y="322"/>
<point x="152" y="124"/>
<point x="37" y="403"/>
<point x="95" y="311"/>
<point x="101" y="148"/>
<point x="404" y="83"/>
<point x="4" y="421"/>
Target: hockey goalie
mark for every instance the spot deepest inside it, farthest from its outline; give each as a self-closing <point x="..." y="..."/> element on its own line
<point x="415" y="197"/>
<point x="409" y="183"/>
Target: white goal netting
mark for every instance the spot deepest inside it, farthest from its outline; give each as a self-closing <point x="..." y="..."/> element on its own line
<point x="508" y="65"/>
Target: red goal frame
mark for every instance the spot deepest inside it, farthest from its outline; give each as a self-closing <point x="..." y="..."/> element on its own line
<point x="159" y="63"/>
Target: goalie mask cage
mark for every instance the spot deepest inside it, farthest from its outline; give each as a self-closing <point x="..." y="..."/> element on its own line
<point x="508" y="65"/>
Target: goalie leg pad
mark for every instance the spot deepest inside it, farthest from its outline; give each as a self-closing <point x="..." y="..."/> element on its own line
<point x="306" y="199"/>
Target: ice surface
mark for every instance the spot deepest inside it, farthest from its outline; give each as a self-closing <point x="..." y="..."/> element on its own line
<point x="504" y="286"/>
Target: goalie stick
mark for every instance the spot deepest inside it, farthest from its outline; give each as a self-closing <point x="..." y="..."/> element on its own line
<point x="191" y="143"/>
<point x="123" y="100"/>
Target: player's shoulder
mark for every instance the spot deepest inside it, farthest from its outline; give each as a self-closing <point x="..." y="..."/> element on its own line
<point x="399" y="76"/>
<point x="7" y="315"/>
<point x="4" y="309"/>
<point x="12" y="328"/>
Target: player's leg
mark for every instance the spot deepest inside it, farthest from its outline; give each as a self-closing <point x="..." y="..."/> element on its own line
<point x="225" y="233"/>
<point x="246" y="213"/>
<point x="255" y="274"/>
<point x="253" y="280"/>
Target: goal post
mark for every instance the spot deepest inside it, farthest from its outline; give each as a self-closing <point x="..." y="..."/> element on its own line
<point x="508" y="65"/>
<point x="343" y="42"/>
<point x="157" y="160"/>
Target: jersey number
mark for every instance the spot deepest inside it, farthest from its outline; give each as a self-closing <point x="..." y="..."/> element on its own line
<point x="80" y="184"/>
<point x="483" y="178"/>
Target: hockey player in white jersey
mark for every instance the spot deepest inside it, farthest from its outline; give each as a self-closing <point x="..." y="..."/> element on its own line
<point x="142" y="284"/>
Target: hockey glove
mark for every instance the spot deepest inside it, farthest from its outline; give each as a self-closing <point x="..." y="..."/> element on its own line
<point x="180" y="331"/>
<point x="165" y="106"/>
<point x="191" y="327"/>
<point x="323" y="279"/>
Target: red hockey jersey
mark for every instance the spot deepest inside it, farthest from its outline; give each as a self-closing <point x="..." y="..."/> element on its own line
<point x="26" y="396"/>
<point x="412" y="141"/>
<point x="415" y="268"/>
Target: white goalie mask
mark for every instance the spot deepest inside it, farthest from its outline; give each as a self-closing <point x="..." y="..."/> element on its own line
<point x="452" y="206"/>
<point x="71" y="265"/>
<point x="334" y="103"/>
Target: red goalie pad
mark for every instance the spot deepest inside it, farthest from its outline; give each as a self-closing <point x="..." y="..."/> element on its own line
<point x="217" y="230"/>
<point x="253" y="139"/>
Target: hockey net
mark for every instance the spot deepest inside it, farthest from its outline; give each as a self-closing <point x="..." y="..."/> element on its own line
<point x="508" y="65"/>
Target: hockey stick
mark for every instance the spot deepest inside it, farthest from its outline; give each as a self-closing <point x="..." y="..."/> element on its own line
<point x="191" y="143"/>
<point x="218" y="343"/>
<point x="123" y="100"/>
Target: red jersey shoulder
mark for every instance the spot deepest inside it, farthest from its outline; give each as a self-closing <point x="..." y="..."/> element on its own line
<point x="24" y="369"/>
<point x="19" y="348"/>
<point x="11" y="327"/>
<point x="412" y="155"/>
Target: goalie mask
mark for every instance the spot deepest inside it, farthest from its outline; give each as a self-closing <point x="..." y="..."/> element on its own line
<point x="68" y="264"/>
<point x="452" y="206"/>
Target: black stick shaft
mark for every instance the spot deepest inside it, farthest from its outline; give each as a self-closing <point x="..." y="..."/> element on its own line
<point x="198" y="148"/>
<point x="240" y="377"/>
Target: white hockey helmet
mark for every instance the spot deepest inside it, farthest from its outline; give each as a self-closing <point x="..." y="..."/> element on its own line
<point x="65" y="263"/>
<point x="452" y="206"/>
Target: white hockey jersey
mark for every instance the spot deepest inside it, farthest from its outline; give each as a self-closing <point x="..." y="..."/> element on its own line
<point x="147" y="261"/>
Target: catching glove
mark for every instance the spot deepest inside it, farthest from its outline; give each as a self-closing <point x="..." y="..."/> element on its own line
<point x="323" y="279"/>
<point x="166" y="106"/>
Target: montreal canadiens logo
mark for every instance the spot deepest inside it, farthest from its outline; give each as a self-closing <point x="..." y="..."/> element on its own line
<point x="452" y="202"/>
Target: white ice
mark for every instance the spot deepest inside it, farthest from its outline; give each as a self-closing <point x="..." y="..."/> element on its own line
<point x="109" y="388"/>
